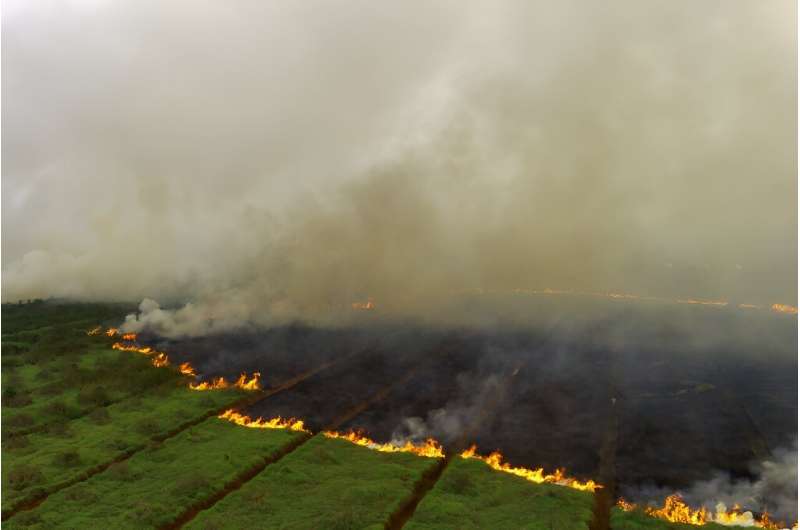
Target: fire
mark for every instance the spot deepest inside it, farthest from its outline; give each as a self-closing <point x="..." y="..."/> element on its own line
<point x="677" y="511"/>
<point x="112" y="332"/>
<point x="495" y="461"/>
<point x="95" y="331"/>
<point x="160" y="360"/>
<point x="129" y="336"/>
<point x="248" y="384"/>
<point x="145" y="350"/>
<point x="783" y="308"/>
<point x="187" y="369"/>
<point x="253" y="383"/>
<point x="430" y="449"/>
<point x="364" y="306"/>
<point x="215" y="384"/>
<point x="260" y="423"/>
<point x="694" y="301"/>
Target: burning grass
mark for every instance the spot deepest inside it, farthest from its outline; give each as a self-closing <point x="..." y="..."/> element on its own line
<point x="325" y="483"/>
<point x="675" y="510"/>
<point x="154" y="486"/>
<point x="471" y="495"/>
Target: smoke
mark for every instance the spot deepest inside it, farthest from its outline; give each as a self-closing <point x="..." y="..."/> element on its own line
<point x="773" y="488"/>
<point x="273" y="162"/>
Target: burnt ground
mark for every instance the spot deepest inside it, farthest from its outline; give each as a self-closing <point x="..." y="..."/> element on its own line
<point x="638" y="395"/>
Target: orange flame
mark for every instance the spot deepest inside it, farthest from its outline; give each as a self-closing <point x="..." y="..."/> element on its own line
<point x="187" y="369"/>
<point x="160" y="360"/>
<point x="145" y="350"/>
<point x="694" y="301"/>
<point x="430" y="449"/>
<point x="495" y="461"/>
<point x="112" y="331"/>
<point x="217" y="383"/>
<point x="677" y="511"/>
<point x="783" y="308"/>
<point x="260" y="423"/>
<point x="129" y="336"/>
<point x="364" y="306"/>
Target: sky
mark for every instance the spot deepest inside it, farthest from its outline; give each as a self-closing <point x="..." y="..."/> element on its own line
<point x="278" y="160"/>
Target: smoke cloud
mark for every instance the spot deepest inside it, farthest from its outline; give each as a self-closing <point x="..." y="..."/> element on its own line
<point x="773" y="489"/>
<point x="267" y="162"/>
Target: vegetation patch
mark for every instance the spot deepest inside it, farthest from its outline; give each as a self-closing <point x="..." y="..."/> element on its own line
<point x="325" y="483"/>
<point x="470" y="494"/>
<point x="152" y="488"/>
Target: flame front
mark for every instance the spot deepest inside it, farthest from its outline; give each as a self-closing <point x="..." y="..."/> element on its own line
<point x="783" y="308"/>
<point x="495" y="461"/>
<point x="677" y="511"/>
<point x="253" y="383"/>
<point x="363" y="306"/>
<point x="260" y="423"/>
<point x="187" y="369"/>
<point x="430" y="449"/>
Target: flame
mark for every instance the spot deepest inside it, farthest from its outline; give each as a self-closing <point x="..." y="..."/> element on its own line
<point x="260" y="423"/>
<point x="112" y="331"/>
<point x="217" y="383"/>
<point x="187" y="369"/>
<point x="430" y="449"/>
<point x="160" y="360"/>
<point x="129" y="336"/>
<point x="145" y="350"/>
<point x="95" y="330"/>
<point x="783" y="308"/>
<point x="677" y="511"/>
<point x="495" y="461"/>
<point x="695" y="301"/>
<point x="249" y="384"/>
<point x="364" y="306"/>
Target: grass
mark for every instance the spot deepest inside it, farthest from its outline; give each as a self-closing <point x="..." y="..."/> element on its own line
<point x="325" y="483"/>
<point x="153" y="487"/>
<point x="48" y="460"/>
<point x="470" y="495"/>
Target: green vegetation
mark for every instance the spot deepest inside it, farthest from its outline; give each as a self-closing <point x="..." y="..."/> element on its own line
<point x="325" y="483"/>
<point x="156" y="485"/>
<point x="470" y="494"/>
<point x="73" y="405"/>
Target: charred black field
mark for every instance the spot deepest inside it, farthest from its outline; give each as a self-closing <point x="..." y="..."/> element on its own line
<point x="645" y="396"/>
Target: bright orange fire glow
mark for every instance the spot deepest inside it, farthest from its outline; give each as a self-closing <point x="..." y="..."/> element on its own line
<point x="187" y="369"/>
<point x="253" y="383"/>
<point x="129" y="336"/>
<point x="783" y="308"/>
<point x="495" y="461"/>
<point x="260" y="423"/>
<point x="112" y="331"/>
<point x="160" y="360"/>
<point x="694" y="301"/>
<point x="145" y="350"/>
<point x="430" y="449"/>
<point x="677" y="511"/>
<point x="364" y="306"/>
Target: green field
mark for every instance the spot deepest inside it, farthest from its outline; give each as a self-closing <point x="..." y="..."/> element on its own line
<point x="98" y="438"/>
<point x="471" y="495"/>
<point x="638" y="520"/>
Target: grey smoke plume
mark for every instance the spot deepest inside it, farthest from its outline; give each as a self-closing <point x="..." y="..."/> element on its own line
<point x="774" y="488"/>
<point x="275" y="161"/>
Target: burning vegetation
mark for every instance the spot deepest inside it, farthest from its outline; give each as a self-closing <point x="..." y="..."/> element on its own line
<point x="495" y="461"/>
<point x="430" y="449"/>
<point x="677" y="511"/>
<point x="261" y="423"/>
